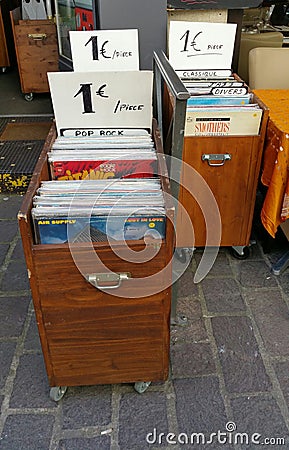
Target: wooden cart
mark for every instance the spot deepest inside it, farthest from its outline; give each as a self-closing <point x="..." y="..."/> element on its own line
<point x="232" y="182"/>
<point x="36" y="51"/>
<point x="89" y="336"/>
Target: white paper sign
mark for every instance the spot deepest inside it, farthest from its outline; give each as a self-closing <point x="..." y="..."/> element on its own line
<point x="103" y="132"/>
<point x="201" y="45"/>
<point x="104" y="50"/>
<point x="101" y="99"/>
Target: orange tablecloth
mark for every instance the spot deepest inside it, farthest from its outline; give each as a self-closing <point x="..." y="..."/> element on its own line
<point x="276" y="159"/>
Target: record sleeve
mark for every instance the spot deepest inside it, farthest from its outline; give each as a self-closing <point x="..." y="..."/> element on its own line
<point x="103" y="169"/>
<point x="61" y="229"/>
<point x="80" y="211"/>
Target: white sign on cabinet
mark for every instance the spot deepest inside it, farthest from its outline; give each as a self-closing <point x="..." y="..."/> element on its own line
<point x="103" y="50"/>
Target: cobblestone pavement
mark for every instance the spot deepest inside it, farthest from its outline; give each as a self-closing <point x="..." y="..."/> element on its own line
<point x="229" y="366"/>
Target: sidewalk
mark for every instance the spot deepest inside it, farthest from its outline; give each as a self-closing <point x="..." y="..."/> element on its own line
<point x="229" y="364"/>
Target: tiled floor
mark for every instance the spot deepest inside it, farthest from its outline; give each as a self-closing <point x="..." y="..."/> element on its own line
<point x="229" y="365"/>
<point x="12" y="101"/>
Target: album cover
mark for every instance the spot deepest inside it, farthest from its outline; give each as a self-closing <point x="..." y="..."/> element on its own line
<point x="97" y="170"/>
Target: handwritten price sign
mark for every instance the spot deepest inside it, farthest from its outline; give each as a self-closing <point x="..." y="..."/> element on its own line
<point x="201" y="45"/>
<point x="103" y="50"/>
<point x="101" y="99"/>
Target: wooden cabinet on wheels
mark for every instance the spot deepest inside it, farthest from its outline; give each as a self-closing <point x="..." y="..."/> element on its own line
<point x="227" y="169"/>
<point x="97" y="336"/>
<point x="36" y="51"/>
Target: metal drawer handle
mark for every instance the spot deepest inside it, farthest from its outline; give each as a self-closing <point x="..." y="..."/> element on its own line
<point x="37" y="37"/>
<point x="101" y="280"/>
<point x="216" y="157"/>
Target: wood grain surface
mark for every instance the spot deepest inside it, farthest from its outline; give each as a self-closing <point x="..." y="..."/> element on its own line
<point x="89" y="336"/>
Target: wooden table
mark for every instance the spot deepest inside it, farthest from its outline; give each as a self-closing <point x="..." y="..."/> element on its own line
<point x="275" y="208"/>
<point x="276" y="156"/>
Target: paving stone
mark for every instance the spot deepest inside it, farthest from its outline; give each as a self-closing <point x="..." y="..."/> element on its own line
<point x="259" y="415"/>
<point x="199" y="405"/>
<point x="239" y="354"/>
<point x="101" y="443"/>
<point x="18" y="251"/>
<point x="15" y="278"/>
<point x="255" y="252"/>
<point x="221" y="266"/>
<point x="31" y="387"/>
<point x="139" y="415"/>
<point x="32" y="341"/>
<point x="222" y="295"/>
<point x="3" y="252"/>
<point x="27" y="432"/>
<point x="13" y="311"/>
<point x="284" y="281"/>
<point x="272" y="317"/>
<point x="86" y="406"/>
<point x="282" y="372"/>
<point x="7" y="350"/>
<point x="193" y="331"/>
<point x="10" y="205"/>
<point x="8" y="230"/>
<point x="186" y="285"/>
<point x="190" y="307"/>
<point x="189" y="359"/>
<point x="255" y="274"/>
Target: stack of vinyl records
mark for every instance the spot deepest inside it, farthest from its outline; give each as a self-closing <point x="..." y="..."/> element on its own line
<point x="221" y="107"/>
<point x="98" y="210"/>
<point x="102" y="157"/>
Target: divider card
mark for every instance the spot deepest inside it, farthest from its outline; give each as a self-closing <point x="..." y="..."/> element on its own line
<point x="103" y="50"/>
<point x="205" y="48"/>
<point x="94" y="100"/>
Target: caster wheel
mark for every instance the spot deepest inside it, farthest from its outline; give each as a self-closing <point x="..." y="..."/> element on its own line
<point x="56" y="393"/>
<point x="141" y="386"/>
<point x="29" y="97"/>
<point x="237" y="255"/>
